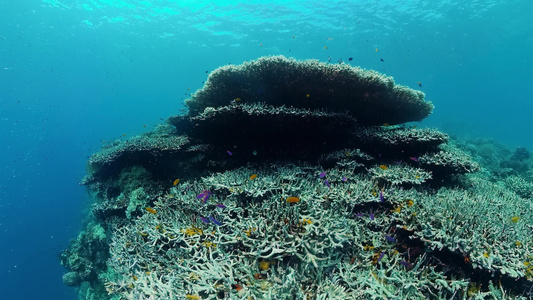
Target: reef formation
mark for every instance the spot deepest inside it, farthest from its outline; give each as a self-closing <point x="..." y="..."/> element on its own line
<point x="295" y="179"/>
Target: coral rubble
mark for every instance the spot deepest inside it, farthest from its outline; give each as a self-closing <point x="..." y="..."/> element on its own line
<point x="297" y="181"/>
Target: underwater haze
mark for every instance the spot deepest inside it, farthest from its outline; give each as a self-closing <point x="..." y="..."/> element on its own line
<point x="77" y="74"/>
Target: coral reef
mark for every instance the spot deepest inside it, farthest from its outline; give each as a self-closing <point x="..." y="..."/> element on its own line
<point x="282" y="182"/>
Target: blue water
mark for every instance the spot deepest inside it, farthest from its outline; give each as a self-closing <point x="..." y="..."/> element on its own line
<point x="76" y="73"/>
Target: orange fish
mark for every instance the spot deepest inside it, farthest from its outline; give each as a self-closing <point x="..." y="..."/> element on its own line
<point x="237" y="287"/>
<point x="151" y="210"/>
<point x="383" y="167"/>
<point x="307" y="95"/>
<point x="254" y="176"/>
<point x="237" y="99"/>
<point x="176" y="181"/>
<point x="293" y="199"/>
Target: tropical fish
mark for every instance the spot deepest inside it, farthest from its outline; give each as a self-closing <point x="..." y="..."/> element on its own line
<point x="419" y="84"/>
<point x="293" y="199"/>
<point x="254" y="176"/>
<point x="327" y="183"/>
<point x="204" y="220"/>
<point x="229" y="152"/>
<point x="192" y="297"/>
<point x="307" y="95"/>
<point x="238" y="99"/>
<point x="415" y="159"/>
<point x="380" y="256"/>
<point x="176" y="182"/>
<point x="214" y="221"/>
<point x="151" y="210"/>
<point x="344" y="179"/>
<point x="390" y="238"/>
<point x="406" y="264"/>
<point x="322" y="175"/>
<point x="350" y="59"/>
<point x="383" y="167"/>
<point x="371" y="216"/>
<point x="221" y="205"/>
<point x="205" y="196"/>
<point x="515" y="219"/>
<point x="237" y="287"/>
<point x="264" y="265"/>
<point x="381" y="198"/>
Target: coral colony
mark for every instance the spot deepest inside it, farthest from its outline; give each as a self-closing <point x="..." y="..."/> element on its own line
<point x="295" y="179"/>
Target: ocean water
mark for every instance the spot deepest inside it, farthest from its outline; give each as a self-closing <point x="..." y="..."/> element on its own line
<point x="76" y="74"/>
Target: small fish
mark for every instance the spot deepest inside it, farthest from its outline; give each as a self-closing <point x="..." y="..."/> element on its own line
<point x="371" y="216"/>
<point x="204" y="220"/>
<point x="381" y="59"/>
<point x="381" y="198"/>
<point x="350" y="59"/>
<point x="176" y="182"/>
<point x="410" y="202"/>
<point x="383" y="167"/>
<point x="327" y="183"/>
<point x="380" y="256"/>
<point x="260" y="276"/>
<point x="419" y="84"/>
<point x="406" y="264"/>
<point x="237" y="287"/>
<point x="293" y="36"/>
<point x="415" y="159"/>
<point x="229" y="152"/>
<point x="377" y="49"/>
<point x="192" y="297"/>
<point x="238" y="99"/>
<point x="254" y="152"/>
<point x="151" y="210"/>
<point x="293" y="199"/>
<point x="322" y="175"/>
<point x="390" y="239"/>
<point x="307" y="95"/>
<point x="326" y="47"/>
<point x="359" y="215"/>
<point x="254" y="176"/>
<point x="515" y="219"/>
<point x="205" y="196"/>
<point x="220" y="205"/>
<point x="264" y="265"/>
<point x="214" y="221"/>
<point x="344" y="178"/>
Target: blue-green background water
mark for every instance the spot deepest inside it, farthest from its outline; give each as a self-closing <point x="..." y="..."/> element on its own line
<point x="76" y="73"/>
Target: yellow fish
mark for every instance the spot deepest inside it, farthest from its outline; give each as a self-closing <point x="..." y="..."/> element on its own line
<point x="264" y="265"/>
<point x="151" y="210"/>
<point x="293" y="199"/>
<point x="176" y="182"/>
<point x="254" y="176"/>
<point x="238" y="99"/>
<point x="383" y="167"/>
